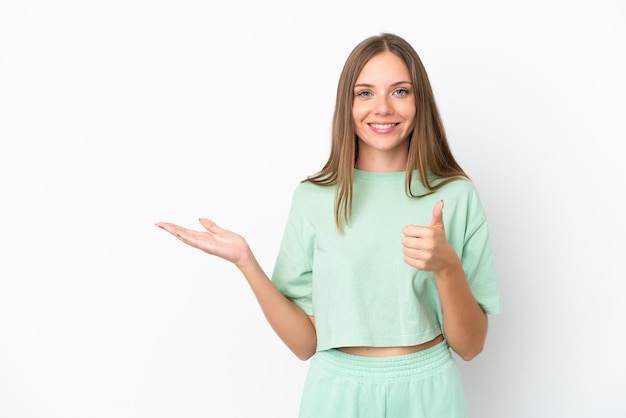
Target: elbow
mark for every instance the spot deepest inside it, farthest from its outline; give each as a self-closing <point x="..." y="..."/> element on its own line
<point x="469" y="346"/>
<point x="305" y="351"/>
<point x="304" y="355"/>
<point x="470" y="353"/>
<point x="470" y="356"/>
<point x="304" y="345"/>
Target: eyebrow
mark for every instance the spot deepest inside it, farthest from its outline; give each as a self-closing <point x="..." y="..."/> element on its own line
<point x="393" y="85"/>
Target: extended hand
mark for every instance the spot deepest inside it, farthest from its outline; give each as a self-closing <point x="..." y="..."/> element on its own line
<point x="215" y="241"/>
<point x="426" y="247"/>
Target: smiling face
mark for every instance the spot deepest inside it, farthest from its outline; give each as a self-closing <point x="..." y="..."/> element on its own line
<point x="384" y="113"/>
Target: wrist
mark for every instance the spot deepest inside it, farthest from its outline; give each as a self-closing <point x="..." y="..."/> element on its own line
<point x="247" y="261"/>
<point x="450" y="273"/>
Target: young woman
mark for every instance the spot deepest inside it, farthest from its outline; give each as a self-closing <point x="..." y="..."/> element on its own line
<point x="374" y="280"/>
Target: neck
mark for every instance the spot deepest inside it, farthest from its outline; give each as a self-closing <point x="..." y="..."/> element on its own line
<point x="381" y="165"/>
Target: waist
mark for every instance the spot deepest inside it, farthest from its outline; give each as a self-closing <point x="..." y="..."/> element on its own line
<point x="390" y="351"/>
<point x="419" y="363"/>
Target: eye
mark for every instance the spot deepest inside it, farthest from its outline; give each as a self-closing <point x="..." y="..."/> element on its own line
<point x="364" y="93"/>
<point x="401" y="92"/>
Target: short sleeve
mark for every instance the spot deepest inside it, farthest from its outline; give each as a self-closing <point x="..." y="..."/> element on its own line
<point x="477" y="259"/>
<point x="292" y="273"/>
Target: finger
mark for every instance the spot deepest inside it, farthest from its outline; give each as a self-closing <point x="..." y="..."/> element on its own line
<point x="189" y="237"/>
<point x="178" y="231"/>
<point x="414" y="231"/>
<point x="438" y="215"/>
<point x="412" y="253"/>
<point x="413" y="262"/>
<point x="419" y="243"/>
<point x="209" y="225"/>
<point x="171" y="228"/>
<point x="411" y="242"/>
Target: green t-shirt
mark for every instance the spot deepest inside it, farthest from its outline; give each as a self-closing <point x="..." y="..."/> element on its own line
<point x="356" y="284"/>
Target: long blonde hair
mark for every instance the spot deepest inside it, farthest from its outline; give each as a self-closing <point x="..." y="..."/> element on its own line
<point x="428" y="145"/>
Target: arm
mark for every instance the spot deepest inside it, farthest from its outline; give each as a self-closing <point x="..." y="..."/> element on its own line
<point x="464" y="322"/>
<point x="290" y="323"/>
<point x="294" y="327"/>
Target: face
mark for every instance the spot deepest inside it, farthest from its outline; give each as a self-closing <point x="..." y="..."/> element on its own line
<point x="383" y="113"/>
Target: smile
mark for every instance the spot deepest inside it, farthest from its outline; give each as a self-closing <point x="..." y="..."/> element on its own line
<point x="382" y="125"/>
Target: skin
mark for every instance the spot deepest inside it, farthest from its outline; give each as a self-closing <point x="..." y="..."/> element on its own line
<point x="383" y="96"/>
<point x="464" y="321"/>
<point x="289" y="322"/>
<point x="384" y="113"/>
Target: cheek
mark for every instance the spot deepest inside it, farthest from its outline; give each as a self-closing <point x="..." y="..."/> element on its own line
<point x="357" y="124"/>
<point x="361" y="109"/>
<point x="357" y="114"/>
<point x="409" y="115"/>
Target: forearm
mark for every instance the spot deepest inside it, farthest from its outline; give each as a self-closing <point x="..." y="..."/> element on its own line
<point x="464" y="321"/>
<point x="287" y="319"/>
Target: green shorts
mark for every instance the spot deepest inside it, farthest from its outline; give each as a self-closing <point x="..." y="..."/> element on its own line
<point x="426" y="384"/>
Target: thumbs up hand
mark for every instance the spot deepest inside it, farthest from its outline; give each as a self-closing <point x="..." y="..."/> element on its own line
<point x="426" y="247"/>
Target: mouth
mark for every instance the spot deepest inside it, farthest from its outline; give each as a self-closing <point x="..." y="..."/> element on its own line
<point x="382" y="127"/>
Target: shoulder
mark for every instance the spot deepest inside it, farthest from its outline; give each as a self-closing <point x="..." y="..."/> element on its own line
<point x="460" y="188"/>
<point x="309" y="199"/>
<point x="307" y="192"/>
<point x="463" y="195"/>
<point x="454" y="183"/>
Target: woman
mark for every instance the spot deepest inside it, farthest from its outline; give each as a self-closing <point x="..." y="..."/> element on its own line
<point x="373" y="280"/>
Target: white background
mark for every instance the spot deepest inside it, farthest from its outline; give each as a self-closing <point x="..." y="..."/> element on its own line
<point x="118" y="114"/>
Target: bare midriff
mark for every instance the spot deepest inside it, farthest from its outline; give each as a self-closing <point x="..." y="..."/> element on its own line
<point x="390" y="351"/>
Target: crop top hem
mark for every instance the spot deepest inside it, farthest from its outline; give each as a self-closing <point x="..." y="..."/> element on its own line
<point x="355" y="340"/>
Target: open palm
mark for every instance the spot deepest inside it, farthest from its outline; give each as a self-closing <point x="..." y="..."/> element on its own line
<point x="215" y="240"/>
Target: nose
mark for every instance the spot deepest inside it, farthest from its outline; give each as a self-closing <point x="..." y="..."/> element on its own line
<point x="383" y="105"/>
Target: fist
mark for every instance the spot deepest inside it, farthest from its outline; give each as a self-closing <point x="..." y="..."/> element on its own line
<point x="426" y="247"/>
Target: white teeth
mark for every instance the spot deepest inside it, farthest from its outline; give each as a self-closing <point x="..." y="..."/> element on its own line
<point x="382" y="126"/>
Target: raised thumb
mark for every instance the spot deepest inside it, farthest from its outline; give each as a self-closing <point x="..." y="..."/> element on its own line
<point x="438" y="215"/>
